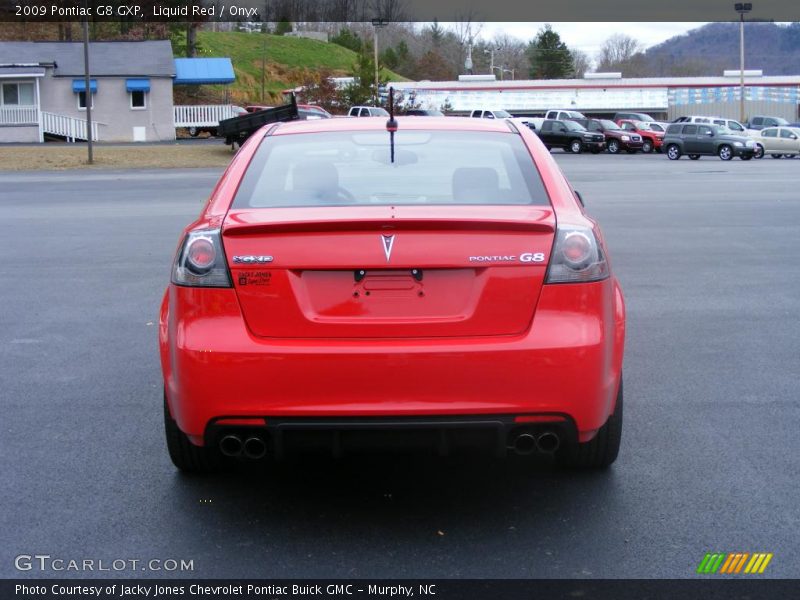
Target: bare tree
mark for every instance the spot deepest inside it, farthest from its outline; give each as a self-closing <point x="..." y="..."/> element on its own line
<point x="617" y="51"/>
<point x="581" y="62"/>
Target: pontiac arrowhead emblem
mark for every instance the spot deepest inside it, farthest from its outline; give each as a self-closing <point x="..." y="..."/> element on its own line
<point x="388" y="243"/>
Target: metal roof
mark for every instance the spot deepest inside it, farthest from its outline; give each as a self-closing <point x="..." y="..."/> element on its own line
<point x="197" y="71"/>
<point x="633" y="82"/>
<point x="106" y="59"/>
<point x="21" y="71"/>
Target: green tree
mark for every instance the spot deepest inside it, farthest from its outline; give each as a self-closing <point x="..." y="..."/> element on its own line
<point x="549" y="57"/>
<point x="389" y="58"/>
<point x="282" y="27"/>
<point x="436" y="32"/>
<point x="362" y="90"/>
<point x="347" y="39"/>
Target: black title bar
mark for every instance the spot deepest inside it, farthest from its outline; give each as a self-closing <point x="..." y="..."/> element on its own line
<point x="394" y="10"/>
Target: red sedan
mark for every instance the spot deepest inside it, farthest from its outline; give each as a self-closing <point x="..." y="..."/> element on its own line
<point x="348" y="286"/>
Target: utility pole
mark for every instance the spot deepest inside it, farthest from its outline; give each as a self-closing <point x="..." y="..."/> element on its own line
<point x="742" y="8"/>
<point x="376" y="24"/>
<point x="263" y="65"/>
<point x="87" y="94"/>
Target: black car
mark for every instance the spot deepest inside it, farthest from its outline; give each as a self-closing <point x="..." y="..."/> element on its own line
<point x="697" y="140"/>
<point x="569" y="135"/>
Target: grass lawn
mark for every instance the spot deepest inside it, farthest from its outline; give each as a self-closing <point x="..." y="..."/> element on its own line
<point x="60" y="157"/>
<point x="288" y="61"/>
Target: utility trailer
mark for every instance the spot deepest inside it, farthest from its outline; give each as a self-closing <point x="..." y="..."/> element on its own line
<point x="238" y="129"/>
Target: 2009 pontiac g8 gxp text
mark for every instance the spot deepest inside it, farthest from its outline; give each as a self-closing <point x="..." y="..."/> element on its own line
<point x="357" y="282"/>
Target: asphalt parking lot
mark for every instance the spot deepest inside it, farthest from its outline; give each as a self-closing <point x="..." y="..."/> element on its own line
<point x="706" y="252"/>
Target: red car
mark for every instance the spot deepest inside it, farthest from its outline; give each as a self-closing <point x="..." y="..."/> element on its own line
<point x="652" y="133"/>
<point x="347" y="287"/>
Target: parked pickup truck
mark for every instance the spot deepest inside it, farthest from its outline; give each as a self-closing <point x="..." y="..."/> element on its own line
<point x="238" y="129"/>
<point x="489" y="114"/>
<point x="616" y="138"/>
<point x="652" y="134"/>
<point x="570" y="136"/>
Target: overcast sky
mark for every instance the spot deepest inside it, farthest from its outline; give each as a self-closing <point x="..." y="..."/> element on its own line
<point x="589" y="37"/>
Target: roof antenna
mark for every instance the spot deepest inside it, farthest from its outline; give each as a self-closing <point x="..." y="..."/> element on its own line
<point x="391" y="124"/>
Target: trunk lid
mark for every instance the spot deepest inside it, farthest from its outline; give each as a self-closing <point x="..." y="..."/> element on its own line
<point x="388" y="272"/>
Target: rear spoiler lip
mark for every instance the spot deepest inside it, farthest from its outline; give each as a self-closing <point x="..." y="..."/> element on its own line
<point x="382" y="224"/>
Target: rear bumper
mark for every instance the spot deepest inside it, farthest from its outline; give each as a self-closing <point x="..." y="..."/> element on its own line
<point x="568" y="363"/>
<point x="597" y="146"/>
<point x="455" y="434"/>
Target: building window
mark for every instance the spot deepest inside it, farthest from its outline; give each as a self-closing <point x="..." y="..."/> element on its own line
<point x="138" y="100"/>
<point x="16" y="94"/>
<point x="82" y="100"/>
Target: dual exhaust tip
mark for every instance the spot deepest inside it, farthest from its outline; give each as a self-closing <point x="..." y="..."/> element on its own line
<point x="527" y="443"/>
<point x="252" y="447"/>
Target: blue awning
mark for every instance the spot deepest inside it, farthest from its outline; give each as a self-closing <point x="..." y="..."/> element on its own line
<point x="137" y="85"/>
<point x="197" y="71"/>
<point x="79" y="85"/>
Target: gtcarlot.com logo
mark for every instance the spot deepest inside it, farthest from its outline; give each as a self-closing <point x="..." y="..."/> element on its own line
<point x="46" y="562"/>
<point x="734" y="563"/>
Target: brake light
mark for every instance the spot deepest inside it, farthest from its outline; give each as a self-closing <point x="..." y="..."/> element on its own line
<point x="200" y="261"/>
<point x="577" y="257"/>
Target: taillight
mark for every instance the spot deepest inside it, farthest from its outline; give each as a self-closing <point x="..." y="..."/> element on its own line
<point x="577" y="257"/>
<point x="200" y="262"/>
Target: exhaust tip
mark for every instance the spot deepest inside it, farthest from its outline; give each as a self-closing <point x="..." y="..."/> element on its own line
<point x="231" y="445"/>
<point x="524" y="443"/>
<point x="548" y="442"/>
<point x="255" y="448"/>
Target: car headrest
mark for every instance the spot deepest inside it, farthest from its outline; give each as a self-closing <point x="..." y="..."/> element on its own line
<point x="471" y="184"/>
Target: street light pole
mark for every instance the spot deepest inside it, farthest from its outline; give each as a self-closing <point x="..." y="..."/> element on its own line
<point x="376" y="24"/>
<point x="742" y="8"/>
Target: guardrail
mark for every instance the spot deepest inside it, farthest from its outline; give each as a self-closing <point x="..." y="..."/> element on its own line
<point x="202" y="115"/>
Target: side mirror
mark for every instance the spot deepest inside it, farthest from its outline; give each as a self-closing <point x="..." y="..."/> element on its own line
<point x="579" y="197"/>
<point x="793" y="137"/>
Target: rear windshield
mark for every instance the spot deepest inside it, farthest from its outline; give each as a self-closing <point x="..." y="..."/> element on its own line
<point x="355" y="168"/>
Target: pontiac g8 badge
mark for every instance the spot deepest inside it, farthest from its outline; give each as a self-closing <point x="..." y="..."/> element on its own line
<point x="388" y="244"/>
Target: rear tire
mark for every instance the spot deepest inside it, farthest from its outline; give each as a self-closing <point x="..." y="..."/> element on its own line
<point x="694" y="157"/>
<point x="759" y="152"/>
<point x="575" y="146"/>
<point x="776" y="155"/>
<point x="184" y="454"/>
<point x="647" y="147"/>
<point x="602" y="450"/>
<point x="673" y="152"/>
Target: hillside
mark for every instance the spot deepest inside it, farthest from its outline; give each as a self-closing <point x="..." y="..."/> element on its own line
<point x="710" y="49"/>
<point x="289" y="62"/>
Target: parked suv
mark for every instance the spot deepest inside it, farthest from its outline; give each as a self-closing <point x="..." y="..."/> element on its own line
<point x="616" y="138"/>
<point x="564" y="114"/>
<point x="633" y="116"/>
<point x="490" y="114"/>
<point x="760" y="122"/>
<point x="367" y="111"/>
<point x="569" y="135"/>
<point x="731" y="124"/>
<point x="696" y="140"/>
